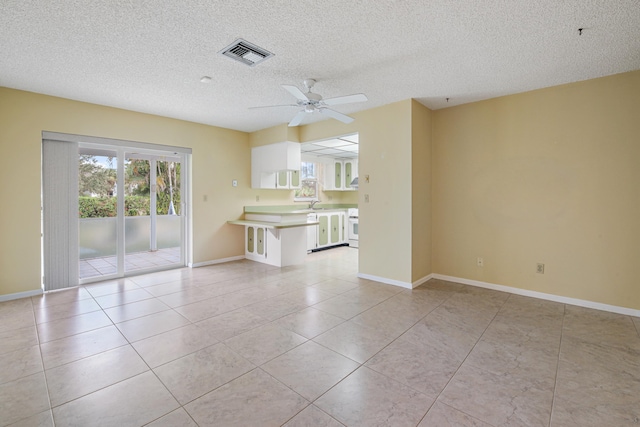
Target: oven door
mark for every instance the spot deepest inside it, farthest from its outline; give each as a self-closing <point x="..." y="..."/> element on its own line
<point x="353" y="228"/>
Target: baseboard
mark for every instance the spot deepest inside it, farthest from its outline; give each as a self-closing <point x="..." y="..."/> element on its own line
<point x="216" y="261"/>
<point x="541" y="295"/>
<point x="423" y="280"/>
<point x="19" y="295"/>
<point x="406" y="285"/>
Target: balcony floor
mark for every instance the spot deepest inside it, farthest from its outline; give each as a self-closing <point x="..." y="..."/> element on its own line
<point x="102" y="266"/>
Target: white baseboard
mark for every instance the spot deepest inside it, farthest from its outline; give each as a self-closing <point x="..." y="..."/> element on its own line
<point x="385" y="280"/>
<point x="406" y="285"/>
<point x="541" y="295"/>
<point x="216" y="261"/>
<point x="19" y="295"/>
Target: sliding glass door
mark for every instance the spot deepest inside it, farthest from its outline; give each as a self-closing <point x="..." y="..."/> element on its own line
<point x="131" y="211"/>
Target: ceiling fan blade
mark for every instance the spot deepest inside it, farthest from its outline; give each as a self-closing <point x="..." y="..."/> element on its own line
<point x="336" y="115"/>
<point x="271" y="106"/>
<point x="347" y="99"/>
<point x="297" y="119"/>
<point x="293" y="90"/>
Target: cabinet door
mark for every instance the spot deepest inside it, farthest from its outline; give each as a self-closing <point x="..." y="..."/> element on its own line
<point x="282" y="181"/>
<point x="250" y="239"/>
<point x="312" y="235"/>
<point x="337" y="183"/>
<point x="323" y="230"/>
<point x="348" y="174"/>
<point x="343" y="222"/>
<point x="261" y="238"/>
<point x="335" y="228"/>
<point x="295" y="179"/>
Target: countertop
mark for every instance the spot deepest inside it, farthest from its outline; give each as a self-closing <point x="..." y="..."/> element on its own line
<point x="296" y="209"/>
<point x="268" y="224"/>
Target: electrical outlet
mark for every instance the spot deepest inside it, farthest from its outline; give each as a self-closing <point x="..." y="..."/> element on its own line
<point x="480" y="262"/>
<point x="366" y="178"/>
<point x="257" y="198"/>
<point x="234" y="183"/>
<point x="205" y="198"/>
<point x="540" y="268"/>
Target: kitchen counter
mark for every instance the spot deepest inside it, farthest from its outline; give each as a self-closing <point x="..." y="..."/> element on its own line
<point x="296" y="209"/>
<point x="270" y="224"/>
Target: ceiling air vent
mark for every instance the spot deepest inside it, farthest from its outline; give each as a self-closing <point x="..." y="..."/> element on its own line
<point x="245" y="52"/>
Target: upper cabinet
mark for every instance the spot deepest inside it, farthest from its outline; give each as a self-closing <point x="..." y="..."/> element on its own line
<point x="339" y="174"/>
<point x="338" y="158"/>
<point x="276" y="166"/>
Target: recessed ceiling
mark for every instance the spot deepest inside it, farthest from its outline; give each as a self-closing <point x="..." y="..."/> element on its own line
<point x="150" y="56"/>
<point x="344" y="147"/>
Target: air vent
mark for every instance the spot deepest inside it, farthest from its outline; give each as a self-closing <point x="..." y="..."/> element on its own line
<point x="245" y="52"/>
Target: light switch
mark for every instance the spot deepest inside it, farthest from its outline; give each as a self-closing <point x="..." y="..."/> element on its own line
<point x="234" y="183"/>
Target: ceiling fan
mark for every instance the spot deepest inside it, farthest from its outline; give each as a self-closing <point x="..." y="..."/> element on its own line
<point x="313" y="103"/>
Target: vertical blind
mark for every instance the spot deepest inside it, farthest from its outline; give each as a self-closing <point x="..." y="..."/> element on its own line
<point x="60" y="213"/>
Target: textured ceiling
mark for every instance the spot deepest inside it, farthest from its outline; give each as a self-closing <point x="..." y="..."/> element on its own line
<point x="149" y="55"/>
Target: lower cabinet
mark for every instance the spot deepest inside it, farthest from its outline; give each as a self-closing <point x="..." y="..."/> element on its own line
<point x="331" y="229"/>
<point x="256" y="246"/>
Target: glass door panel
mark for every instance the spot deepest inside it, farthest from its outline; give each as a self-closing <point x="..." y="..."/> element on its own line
<point x="97" y="213"/>
<point x="169" y="220"/>
<point x="153" y="212"/>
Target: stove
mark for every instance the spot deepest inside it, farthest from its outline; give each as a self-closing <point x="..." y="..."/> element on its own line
<point x="353" y="227"/>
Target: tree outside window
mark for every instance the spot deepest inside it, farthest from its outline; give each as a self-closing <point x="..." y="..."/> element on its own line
<point x="308" y="190"/>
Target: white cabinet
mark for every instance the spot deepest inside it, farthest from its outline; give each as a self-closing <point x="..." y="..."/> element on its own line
<point x="288" y="179"/>
<point x="268" y="161"/>
<point x="312" y="233"/>
<point x="338" y="174"/>
<point x="275" y="239"/>
<point x="255" y="243"/>
<point x="331" y="229"/>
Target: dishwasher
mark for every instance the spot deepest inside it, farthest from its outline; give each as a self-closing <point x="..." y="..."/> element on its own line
<point x="312" y="231"/>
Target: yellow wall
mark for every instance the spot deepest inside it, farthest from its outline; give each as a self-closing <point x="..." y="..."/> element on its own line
<point x="549" y="176"/>
<point x="421" y="146"/>
<point x="219" y="156"/>
<point x="385" y="147"/>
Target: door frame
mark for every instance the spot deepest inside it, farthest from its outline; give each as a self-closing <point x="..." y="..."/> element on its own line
<point x="123" y="148"/>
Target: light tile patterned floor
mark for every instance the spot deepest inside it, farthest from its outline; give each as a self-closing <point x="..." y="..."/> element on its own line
<point x="247" y="344"/>
<point x="103" y="266"/>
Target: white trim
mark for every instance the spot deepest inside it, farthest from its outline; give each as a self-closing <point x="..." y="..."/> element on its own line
<point x="216" y="261"/>
<point x="67" y="137"/>
<point x="542" y="295"/>
<point x="18" y="295"/>
<point x="423" y="280"/>
<point x="393" y="282"/>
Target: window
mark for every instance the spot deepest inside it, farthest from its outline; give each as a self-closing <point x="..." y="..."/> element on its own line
<point x="308" y="190"/>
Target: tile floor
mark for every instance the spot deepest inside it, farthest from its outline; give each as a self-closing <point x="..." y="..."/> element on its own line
<point x="247" y="344"/>
<point x="102" y="266"/>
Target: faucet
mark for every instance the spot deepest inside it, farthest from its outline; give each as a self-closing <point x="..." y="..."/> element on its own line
<point x="312" y="204"/>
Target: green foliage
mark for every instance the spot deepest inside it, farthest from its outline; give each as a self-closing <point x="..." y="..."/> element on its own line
<point x="98" y="180"/>
<point x="162" y="203"/>
<point x="136" y="206"/>
<point x="105" y="207"/>
<point x="96" y="207"/>
<point x="94" y="179"/>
